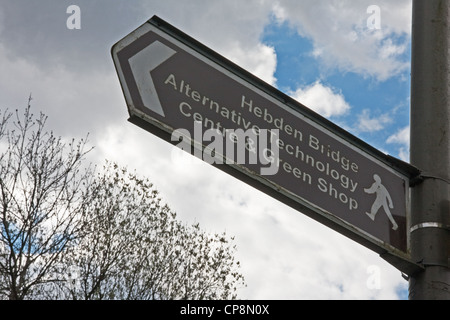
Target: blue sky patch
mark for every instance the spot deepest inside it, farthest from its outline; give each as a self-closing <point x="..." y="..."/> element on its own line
<point x="379" y="109"/>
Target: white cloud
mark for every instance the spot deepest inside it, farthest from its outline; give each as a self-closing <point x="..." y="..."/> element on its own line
<point x="76" y="103"/>
<point x="232" y="28"/>
<point x="390" y="50"/>
<point x="322" y="99"/>
<point x="368" y="124"/>
<point x="402" y="138"/>
<point x="260" y="60"/>
<point x="342" y="39"/>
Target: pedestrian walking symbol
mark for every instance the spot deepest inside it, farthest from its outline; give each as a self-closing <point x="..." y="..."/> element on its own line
<point x="383" y="199"/>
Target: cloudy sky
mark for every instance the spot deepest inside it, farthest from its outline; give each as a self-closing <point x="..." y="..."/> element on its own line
<point x="329" y="55"/>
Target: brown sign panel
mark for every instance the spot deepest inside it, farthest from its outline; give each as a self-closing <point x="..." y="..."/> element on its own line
<point x="177" y="88"/>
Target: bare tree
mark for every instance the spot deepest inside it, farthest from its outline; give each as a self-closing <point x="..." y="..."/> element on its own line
<point x="41" y="200"/>
<point x="137" y="249"/>
<point x="67" y="233"/>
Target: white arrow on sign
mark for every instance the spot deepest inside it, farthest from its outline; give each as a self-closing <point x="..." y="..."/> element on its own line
<point x="141" y="65"/>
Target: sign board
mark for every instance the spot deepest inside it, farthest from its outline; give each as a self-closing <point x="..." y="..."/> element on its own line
<point x="189" y="95"/>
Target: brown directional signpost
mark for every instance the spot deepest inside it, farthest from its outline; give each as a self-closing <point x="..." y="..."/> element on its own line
<point x="189" y="95"/>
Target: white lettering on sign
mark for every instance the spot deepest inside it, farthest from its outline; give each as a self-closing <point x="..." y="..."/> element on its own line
<point x="264" y="114"/>
<point x="334" y="155"/>
<point x="330" y="190"/>
<point x="216" y="130"/>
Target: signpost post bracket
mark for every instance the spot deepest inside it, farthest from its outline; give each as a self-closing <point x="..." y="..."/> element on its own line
<point x="427" y="175"/>
<point x="407" y="267"/>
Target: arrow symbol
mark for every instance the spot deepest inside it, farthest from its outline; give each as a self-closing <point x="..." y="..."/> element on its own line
<point x="141" y="65"/>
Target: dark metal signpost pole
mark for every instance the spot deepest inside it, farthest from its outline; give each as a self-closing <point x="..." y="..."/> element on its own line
<point x="430" y="149"/>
